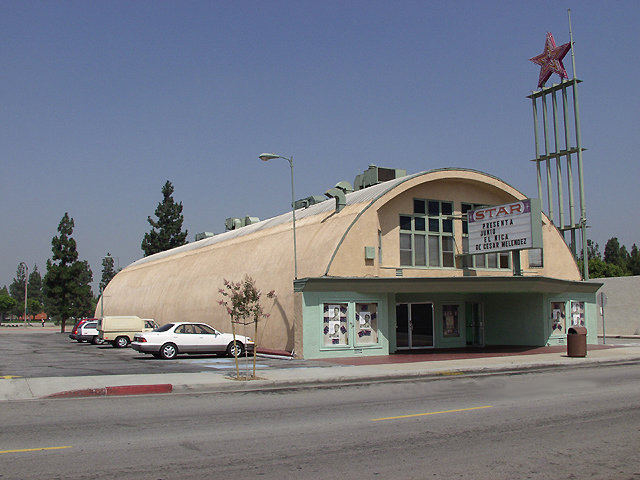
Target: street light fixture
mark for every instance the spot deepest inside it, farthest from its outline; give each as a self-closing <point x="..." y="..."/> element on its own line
<point x="26" y="281"/>
<point x="265" y="157"/>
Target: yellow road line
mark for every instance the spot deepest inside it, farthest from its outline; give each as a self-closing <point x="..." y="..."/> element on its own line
<point x="431" y="413"/>
<point x="9" y="377"/>
<point x="33" y="449"/>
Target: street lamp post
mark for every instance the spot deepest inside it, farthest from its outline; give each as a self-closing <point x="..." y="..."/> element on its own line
<point x="26" y="281"/>
<point x="265" y="157"/>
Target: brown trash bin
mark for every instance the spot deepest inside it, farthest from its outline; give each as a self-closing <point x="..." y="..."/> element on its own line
<point x="576" y="342"/>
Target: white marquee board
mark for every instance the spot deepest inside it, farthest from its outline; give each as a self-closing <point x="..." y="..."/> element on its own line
<point x="513" y="226"/>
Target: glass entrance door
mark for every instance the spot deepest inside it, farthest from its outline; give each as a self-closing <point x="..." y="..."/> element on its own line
<point x="414" y="325"/>
<point x="477" y="325"/>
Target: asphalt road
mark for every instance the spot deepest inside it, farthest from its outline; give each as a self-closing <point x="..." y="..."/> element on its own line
<point x="581" y="423"/>
<point x="53" y="354"/>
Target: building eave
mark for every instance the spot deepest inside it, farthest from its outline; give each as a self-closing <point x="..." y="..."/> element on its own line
<point x="446" y="285"/>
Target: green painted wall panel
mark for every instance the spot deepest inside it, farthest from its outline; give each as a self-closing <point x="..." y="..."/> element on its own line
<point x="313" y="325"/>
<point x="509" y="319"/>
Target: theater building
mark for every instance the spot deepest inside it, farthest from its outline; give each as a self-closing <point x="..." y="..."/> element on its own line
<point x="381" y="269"/>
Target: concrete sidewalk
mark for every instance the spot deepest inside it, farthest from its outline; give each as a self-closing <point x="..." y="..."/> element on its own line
<point x="304" y="377"/>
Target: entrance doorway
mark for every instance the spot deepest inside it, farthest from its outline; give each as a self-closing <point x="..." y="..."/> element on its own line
<point x="414" y="325"/>
<point x="475" y="332"/>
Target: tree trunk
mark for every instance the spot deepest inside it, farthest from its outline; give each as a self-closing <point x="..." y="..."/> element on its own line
<point x="235" y="350"/>
<point x="255" y="344"/>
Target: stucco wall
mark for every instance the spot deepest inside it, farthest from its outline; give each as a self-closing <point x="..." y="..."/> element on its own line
<point x="457" y="186"/>
<point x="622" y="311"/>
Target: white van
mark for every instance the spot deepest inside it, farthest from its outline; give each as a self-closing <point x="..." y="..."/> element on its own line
<point x="119" y="330"/>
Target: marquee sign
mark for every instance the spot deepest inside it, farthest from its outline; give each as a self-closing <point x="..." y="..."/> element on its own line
<point x="514" y="226"/>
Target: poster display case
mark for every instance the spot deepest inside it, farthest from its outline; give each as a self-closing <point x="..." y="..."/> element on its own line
<point x="335" y="325"/>
<point x="366" y="323"/>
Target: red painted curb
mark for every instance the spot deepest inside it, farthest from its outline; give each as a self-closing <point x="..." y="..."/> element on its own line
<point x="87" y="392"/>
<point x="119" y="390"/>
<point x="140" y="389"/>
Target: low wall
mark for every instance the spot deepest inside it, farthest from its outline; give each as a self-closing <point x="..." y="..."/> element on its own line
<point x="622" y="309"/>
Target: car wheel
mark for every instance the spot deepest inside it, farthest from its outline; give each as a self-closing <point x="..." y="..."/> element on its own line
<point x="121" y="342"/>
<point x="96" y="340"/>
<point x="231" y="350"/>
<point x="168" y="351"/>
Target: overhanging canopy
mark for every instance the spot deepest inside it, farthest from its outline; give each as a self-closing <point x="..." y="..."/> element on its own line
<point x="446" y="285"/>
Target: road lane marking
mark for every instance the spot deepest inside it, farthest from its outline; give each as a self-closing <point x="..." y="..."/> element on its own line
<point x="34" y="449"/>
<point x="431" y="413"/>
<point x="9" y="377"/>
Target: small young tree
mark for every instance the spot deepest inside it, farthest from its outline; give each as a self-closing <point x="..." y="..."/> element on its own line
<point x="166" y="232"/>
<point x="242" y="301"/>
<point x="67" y="281"/>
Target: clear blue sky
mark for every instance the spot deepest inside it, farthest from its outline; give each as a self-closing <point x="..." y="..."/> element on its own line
<point x="103" y="101"/>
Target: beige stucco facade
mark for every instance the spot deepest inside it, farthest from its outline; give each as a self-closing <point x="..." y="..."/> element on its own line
<point x="182" y="284"/>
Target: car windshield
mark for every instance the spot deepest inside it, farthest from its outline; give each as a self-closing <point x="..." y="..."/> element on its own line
<point x="164" y="328"/>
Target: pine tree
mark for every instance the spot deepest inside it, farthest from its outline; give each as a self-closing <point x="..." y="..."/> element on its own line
<point x="16" y="289"/>
<point x="35" y="300"/>
<point x="67" y="281"/>
<point x="166" y="232"/>
<point x="108" y="271"/>
<point x="634" y="261"/>
<point x="35" y="285"/>
<point x="615" y="254"/>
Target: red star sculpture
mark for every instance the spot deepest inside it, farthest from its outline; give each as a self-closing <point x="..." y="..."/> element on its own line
<point x="550" y="60"/>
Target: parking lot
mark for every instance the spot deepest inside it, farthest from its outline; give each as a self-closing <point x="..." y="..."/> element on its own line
<point x="38" y="353"/>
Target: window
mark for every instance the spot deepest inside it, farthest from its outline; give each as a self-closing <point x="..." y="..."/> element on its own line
<point x="204" y="330"/>
<point x="165" y="327"/>
<point x="186" y="328"/>
<point x="366" y="323"/>
<point x="426" y="237"/>
<point x="335" y="326"/>
<point x="487" y="260"/>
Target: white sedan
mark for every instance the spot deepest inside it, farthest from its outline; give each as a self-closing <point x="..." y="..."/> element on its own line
<point x="172" y="339"/>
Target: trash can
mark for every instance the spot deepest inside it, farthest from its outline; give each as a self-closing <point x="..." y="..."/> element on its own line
<point x="576" y="342"/>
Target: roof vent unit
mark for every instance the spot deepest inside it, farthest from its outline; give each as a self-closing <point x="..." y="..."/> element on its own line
<point x="339" y="192"/>
<point x="344" y="186"/>
<point x="307" y="202"/>
<point x="203" y="235"/>
<point x="374" y="175"/>
<point x="233" y="223"/>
